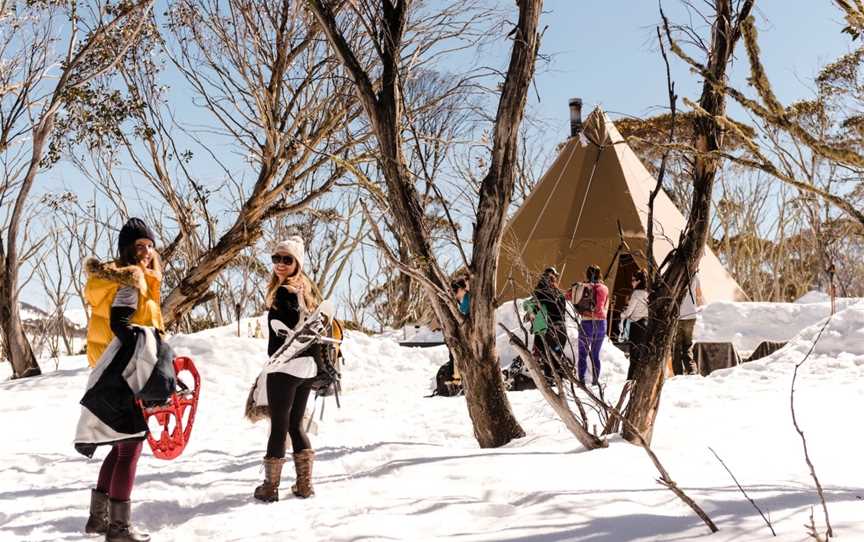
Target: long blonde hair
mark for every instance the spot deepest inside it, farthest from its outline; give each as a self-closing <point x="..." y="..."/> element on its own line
<point x="311" y="295"/>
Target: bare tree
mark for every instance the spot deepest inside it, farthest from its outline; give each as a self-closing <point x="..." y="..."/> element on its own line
<point x="269" y="83"/>
<point x="673" y="276"/>
<point x="32" y="103"/>
<point x="266" y="85"/>
<point x="380" y="90"/>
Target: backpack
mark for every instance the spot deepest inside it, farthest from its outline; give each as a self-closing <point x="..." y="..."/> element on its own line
<point x="328" y="379"/>
<point x="516" y="376"/>
<point x="445" y="386"/>
<point x="587" y="303"/>
<point x="538" y="315"/>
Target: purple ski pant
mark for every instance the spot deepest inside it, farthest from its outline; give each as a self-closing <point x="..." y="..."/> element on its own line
<point x="591" y="335"/>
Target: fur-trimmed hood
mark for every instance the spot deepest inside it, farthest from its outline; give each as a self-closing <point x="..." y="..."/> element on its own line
<point x="103" y="281"/>
<point x="129" y="275"/>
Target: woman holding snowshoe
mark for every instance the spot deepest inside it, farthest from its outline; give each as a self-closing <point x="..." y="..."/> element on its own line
<point x="123" y="334"/>
<point x="637" y="312"/>
<point x="591" y="299"/>
<point x="284" y="386"/>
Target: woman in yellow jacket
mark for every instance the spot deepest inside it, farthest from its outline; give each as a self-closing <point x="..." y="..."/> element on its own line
<point x="120" y="293"/>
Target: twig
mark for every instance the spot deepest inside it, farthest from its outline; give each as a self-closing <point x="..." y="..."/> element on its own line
<point x="661" y="174"/>
<point x="767" y="521"/>
<point x="811" y="528"/>
<point x="829" y="532"/>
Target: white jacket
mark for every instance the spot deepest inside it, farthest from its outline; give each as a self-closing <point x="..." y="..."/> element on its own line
<point x="637" y="307"/>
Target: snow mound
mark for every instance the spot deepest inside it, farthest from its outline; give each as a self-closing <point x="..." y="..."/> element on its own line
<point x="813" y="296"/>
<point x="839" y="338"/>
<point x="746" y="324"/>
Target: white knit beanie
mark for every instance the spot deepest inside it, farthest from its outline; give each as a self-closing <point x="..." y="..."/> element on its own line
<point x="293" y="246"/>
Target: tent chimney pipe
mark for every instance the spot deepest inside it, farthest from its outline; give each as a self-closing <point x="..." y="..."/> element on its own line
<point x="575" y="116"/>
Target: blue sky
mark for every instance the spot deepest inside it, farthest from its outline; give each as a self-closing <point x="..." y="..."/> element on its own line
<point x="605" y="51"/>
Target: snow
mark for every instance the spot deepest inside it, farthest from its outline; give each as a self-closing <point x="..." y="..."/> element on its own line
<point x="746" y="324"/>
<point x="393" y="465"/>
<point x="76" y="316"/>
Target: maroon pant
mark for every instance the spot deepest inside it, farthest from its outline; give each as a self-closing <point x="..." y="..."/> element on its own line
<point x="117" y="475"/>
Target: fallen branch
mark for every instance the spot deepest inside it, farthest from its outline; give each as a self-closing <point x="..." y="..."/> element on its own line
<point x="558" y="401"/>
<point x="559" y="405"/>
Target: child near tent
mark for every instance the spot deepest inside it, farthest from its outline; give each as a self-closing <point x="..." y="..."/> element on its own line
<point x="461" y="291"/>
<point x="591" y="299"/>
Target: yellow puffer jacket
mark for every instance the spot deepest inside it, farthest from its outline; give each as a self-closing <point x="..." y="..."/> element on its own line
<point x="103" y="281"/>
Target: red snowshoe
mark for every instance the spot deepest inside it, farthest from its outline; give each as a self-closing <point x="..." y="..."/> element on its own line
<point x="176" y="416"/>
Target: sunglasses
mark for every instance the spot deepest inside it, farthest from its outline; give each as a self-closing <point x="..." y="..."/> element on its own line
<point x="277" y="259"/>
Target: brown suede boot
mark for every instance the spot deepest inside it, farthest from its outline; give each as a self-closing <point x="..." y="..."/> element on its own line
<point x="119" y="526"/>
<point x="97" y="523"/>
<point x="269" y="490"/>
<point x="303" y="466"/>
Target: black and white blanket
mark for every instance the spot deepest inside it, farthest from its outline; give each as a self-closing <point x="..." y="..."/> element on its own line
<point x="140" y="369"/>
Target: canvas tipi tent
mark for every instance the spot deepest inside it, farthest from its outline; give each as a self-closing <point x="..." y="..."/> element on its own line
<point x="572" y="217"/>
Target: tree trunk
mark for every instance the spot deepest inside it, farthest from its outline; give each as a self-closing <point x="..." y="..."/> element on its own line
<point x="668" y="290"/>
<point x="16" y="347"/>
<point x="471" y="339"/>
<point x="195" y="285"/>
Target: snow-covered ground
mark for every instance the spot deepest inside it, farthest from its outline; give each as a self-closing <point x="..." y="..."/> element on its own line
<point x="394" y="465"/>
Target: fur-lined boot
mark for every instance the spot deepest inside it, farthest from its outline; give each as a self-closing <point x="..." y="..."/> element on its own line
<point x="269" y="490"/>
<point x="303" y="466"/>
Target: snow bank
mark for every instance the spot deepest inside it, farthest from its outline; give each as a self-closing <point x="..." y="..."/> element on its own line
<point x="747" y="324"/>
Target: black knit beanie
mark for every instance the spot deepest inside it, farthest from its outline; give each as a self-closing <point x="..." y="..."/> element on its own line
<point x="134" y="229"/>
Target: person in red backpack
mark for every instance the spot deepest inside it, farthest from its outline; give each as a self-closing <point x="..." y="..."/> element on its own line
<point x="591" y="299"/>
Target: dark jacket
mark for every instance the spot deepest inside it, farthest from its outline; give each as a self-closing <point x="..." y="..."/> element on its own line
<point x="553" y="301"/>
<point x="286" y="309"/>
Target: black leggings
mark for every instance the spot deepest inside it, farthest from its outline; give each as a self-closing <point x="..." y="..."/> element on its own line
<point x="638" y="338"/>
<point x="287" y="396"/>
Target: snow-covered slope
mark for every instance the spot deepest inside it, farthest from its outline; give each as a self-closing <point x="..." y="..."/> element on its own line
<point x="747" y="324"/>
<point x="393" y="465"/>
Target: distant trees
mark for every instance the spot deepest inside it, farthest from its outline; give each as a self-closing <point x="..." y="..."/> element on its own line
<point x="780" y="239"/>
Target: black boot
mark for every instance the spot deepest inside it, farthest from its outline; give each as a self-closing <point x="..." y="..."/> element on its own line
<point x="97" y="523"/>
<point x="119" y="526"/>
